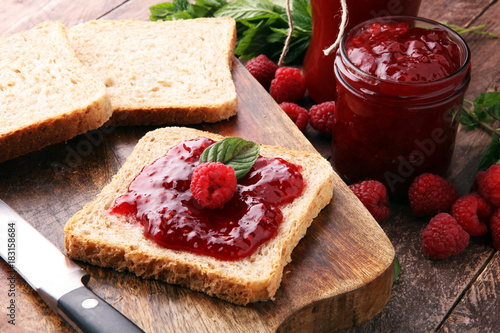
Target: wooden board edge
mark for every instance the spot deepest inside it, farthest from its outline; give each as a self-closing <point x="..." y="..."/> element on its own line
<point x="343" y="311"/>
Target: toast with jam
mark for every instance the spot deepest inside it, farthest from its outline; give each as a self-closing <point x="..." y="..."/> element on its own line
<point x="149" y="221"/>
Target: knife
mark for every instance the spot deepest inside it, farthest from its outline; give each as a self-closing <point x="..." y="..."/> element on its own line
<point x="58" y="280"/>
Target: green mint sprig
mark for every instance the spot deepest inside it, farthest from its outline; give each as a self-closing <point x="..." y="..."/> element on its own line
<point x="261" y="25"/>
<point x="234" y="152"/>
<point x="478" y="29"/>
<point x="481" y="113"/>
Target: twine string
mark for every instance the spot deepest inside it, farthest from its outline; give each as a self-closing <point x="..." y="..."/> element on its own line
<point x="343" y="24"/>
<point x="290" y="32"/>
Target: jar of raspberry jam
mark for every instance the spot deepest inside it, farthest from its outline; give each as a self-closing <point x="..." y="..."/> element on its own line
<point x="326" y="18"/>
<point x="400" y="85"/>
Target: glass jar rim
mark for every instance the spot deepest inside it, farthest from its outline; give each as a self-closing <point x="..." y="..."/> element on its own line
<point x="396" y="19"/>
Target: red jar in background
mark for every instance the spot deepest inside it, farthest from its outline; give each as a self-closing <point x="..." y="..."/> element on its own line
<point x="326" y="17"/>
<point x="394" y="128"/>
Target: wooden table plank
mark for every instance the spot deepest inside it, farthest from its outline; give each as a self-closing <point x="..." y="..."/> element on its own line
<point x="17" y="15"/>
<point x="478" y="310"/>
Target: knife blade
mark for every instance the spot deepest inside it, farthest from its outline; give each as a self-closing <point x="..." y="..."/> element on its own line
<point x="59" y="281"/>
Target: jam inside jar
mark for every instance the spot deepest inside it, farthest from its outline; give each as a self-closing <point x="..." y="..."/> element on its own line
<point x="400" y="84"/>
<point x="326" y="18"/>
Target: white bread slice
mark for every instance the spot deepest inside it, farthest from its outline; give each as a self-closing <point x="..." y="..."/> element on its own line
<point x="106" y="240"/>
<point x="46" y="94"/>
<point x="173" y="72"/>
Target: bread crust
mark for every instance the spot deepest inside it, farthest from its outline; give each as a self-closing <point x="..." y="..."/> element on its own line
<point x="107" y="240"/>
<point x="41" y="126"/>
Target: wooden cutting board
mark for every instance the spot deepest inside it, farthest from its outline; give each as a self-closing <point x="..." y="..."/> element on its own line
<point x="340" y="276"/>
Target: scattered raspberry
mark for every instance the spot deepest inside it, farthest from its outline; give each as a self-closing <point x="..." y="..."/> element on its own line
<point x="373" y="195"/>
<point x="262" y="69"/>
<point x="213" y="184"/>
<point x="495" y="228"/>
<point x="489" y="185"/>
<point x="298" y="114"/>
<point x="472" y="213"/>
<point x="289" y="85"/>
<point x="477" y="180"/>
<point x="431" y="194"/>
<point x="443" y="237"/>
<point x="321" y="117"/>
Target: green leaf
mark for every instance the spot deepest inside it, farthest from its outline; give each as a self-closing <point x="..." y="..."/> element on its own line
<point x="301" y="15"/>
<point x="468" y="121"/>
<point x="161" y="11"/>
<point x="248" y="9"/>
<point x="235" y="152"/>
<point x="490" y="102"/>
<point x="181" y="5"/>
<point x="491" y="155"/>
<point x="206" y="8"/>
<point x="494" y="111"/>
<point x="397" y="269"/>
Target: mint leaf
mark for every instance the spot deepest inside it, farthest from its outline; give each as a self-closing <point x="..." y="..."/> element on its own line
<point x="183" y="9"/>
<point x="302" y="16"/>
<point x="161" y="11"/>
<point x="397" y="269"/>
<point x="488" y="102"/>
<point x="181" y="5"/>
<point x="485" y="108"/>
<point x="246" y="9"/>
<point x="235" y="152"/>
<point x="491" y="155"/>
<point x="468" y="121"/>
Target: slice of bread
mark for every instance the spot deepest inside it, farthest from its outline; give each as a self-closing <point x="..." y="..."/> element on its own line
<point x="174" y="72"/>
<point x="95" y="236"/>
<point x="46" y="94"/>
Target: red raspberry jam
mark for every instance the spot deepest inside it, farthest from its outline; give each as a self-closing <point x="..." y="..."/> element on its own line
<point x="326" y="18"/>
<point x="159" y="198"/>
<point x="396" y="52"/>
<point x="400" y="87"/>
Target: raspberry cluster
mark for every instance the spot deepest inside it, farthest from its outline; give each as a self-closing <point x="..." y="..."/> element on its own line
<point x="453" y="219"/>
<point x="474" y="214"/>
<point x="287" y="86"/>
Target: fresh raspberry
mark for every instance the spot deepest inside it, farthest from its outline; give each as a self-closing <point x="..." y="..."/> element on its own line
<point x="213" y="184"/>
<point x="298" y="114"/>
<point x="262" y="69"/>
<point x="477" y="180"/>
<point x="495" y="228"/>
<point x="288" y="85"/>
<point x="321" y="117"/>
<point x="472" y="213"/>
<point x="431" y="194"/>
<point x="373" y="195"/>
<point x="443" y="237"/>
<point x="489" y="185"/>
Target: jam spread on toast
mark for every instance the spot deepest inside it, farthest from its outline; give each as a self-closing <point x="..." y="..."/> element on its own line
<point x="159" y="198"/>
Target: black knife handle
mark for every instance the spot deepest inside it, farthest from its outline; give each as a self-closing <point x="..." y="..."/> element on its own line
<point x="93" y="315"/>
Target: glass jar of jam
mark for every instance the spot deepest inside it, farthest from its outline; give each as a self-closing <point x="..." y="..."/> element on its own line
<point x="326" y="17"/>
<point x="400" y="84"/>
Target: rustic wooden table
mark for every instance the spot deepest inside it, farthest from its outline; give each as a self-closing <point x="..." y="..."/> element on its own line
<point x="454" y="295"/>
